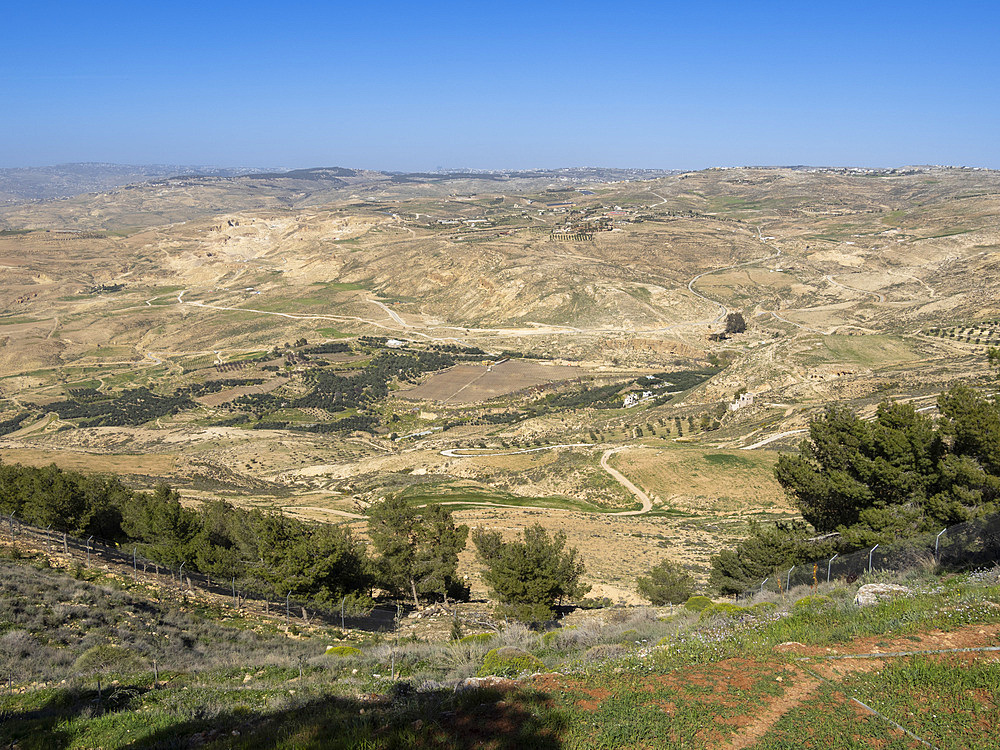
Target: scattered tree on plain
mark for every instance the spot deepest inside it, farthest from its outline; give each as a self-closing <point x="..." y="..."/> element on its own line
<point x="417" y="549"/>
<point x="530" y="576"/>
<point x="735" y="323"/>
<point x="666" y="583"/>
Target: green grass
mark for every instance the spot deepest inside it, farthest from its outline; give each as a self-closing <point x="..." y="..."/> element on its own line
<point x="18" y="321"/>
<point x="728" y="460"/>
<point x="829" y="719"/>
<point x="462" y="496"/>
<point x="611" y="688"/>
<point x="343" y="286"/>
<point x="871" y="350"/>
<point x="945" y="700"/>
<point x="946" y="233"/>
<point x="333" y="333"/>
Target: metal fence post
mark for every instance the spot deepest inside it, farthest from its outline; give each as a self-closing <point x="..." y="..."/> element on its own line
<point x="180" y="574"/>
<point x="870" y="553"/>
<point x="937" y="544"/>
<point x="10" y="518"/>
<point x="762" y="585"/>
<point x="287" y="596"/>
<point x="829" y="565"/>
<point x="135" y="568"/>
<point x="88" y="549"/>
<point x="788" y="581"/>
<point x="342" y="601"/>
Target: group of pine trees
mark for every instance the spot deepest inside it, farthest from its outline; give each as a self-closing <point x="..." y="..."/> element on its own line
<point x="265" y="551"/>
<point x="862" y="482"/>
<point x="413" y="553"/>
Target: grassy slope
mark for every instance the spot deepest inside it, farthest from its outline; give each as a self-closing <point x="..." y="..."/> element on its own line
<point x="762" y="674"/>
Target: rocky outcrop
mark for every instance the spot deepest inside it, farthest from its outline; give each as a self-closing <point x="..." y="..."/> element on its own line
<point x="873" y="593"/>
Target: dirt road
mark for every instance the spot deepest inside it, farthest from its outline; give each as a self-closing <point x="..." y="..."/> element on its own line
<point x="642" y="497"/>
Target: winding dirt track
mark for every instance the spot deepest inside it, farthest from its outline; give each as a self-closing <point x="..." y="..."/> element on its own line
<point x="642" y="497"/>
<point x="771" y="439"/>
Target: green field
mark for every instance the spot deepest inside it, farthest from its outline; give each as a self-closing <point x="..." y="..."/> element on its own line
<point x="462" y="495"/>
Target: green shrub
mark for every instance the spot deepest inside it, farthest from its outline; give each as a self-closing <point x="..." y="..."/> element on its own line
<point x="762" y="608"/>
<point x="667" y="583"/>
<point x="342" y="651"/>
<point x="816" y="603"/>
<point x="107" y="658"/>
<point x="697" y="603"/>
<point x="509" y="662"/>
<point x="525" y="612"/>
<point x="590" y="602"/>
<point x="722" y="610"/>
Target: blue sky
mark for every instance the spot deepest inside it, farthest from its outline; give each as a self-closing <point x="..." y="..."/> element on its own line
<point x="413" y="86"/>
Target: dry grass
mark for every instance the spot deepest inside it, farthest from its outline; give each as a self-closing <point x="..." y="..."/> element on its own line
<point x="143" y="465"/>
<point x="706" y="480"/>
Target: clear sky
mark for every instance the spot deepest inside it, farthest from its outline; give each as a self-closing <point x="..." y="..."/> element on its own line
<point x="423" y="85"/>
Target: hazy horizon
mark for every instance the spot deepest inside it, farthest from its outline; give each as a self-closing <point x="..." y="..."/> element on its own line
<point x="252" y="168"/>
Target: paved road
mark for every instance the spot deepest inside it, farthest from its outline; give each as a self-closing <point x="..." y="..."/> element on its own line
<point x="390" y="313"/>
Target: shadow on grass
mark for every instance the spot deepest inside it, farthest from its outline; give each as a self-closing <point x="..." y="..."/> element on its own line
<point x="43" y="727"/>
<point x="499" y="718"/>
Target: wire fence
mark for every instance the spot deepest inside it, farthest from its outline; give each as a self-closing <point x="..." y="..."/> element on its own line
<point x="242" y="593"/>
<point x="963" y="545"/>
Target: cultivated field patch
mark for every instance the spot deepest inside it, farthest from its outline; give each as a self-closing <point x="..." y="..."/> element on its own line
<point x="142" y="465"/>
<point x="878" y="350"/>
<point x="469" y="384"/>
<point x="215" y="399"/>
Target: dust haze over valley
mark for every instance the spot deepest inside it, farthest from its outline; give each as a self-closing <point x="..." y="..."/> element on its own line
<point x="552" y="297"/>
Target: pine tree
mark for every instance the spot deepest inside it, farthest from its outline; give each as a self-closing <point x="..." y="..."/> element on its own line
<point x="530" y="576"/>
<point x="666" y="583"/>
<point x="417" y="548"/>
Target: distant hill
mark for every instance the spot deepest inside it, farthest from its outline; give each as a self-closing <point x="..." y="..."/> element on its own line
<point x="21" y="184"/>
<point x="32" y="184"/>
<point x="107" y="196"/>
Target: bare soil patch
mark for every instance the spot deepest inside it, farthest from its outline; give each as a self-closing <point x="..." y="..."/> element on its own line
<point x="469" y="384"/>
<point x="792" y="697"/>
<point x="215" y="399"/>
<point x="973" y="636"/>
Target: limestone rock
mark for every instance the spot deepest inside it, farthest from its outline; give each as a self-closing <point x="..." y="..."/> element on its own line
<point x="873" y="593"/>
